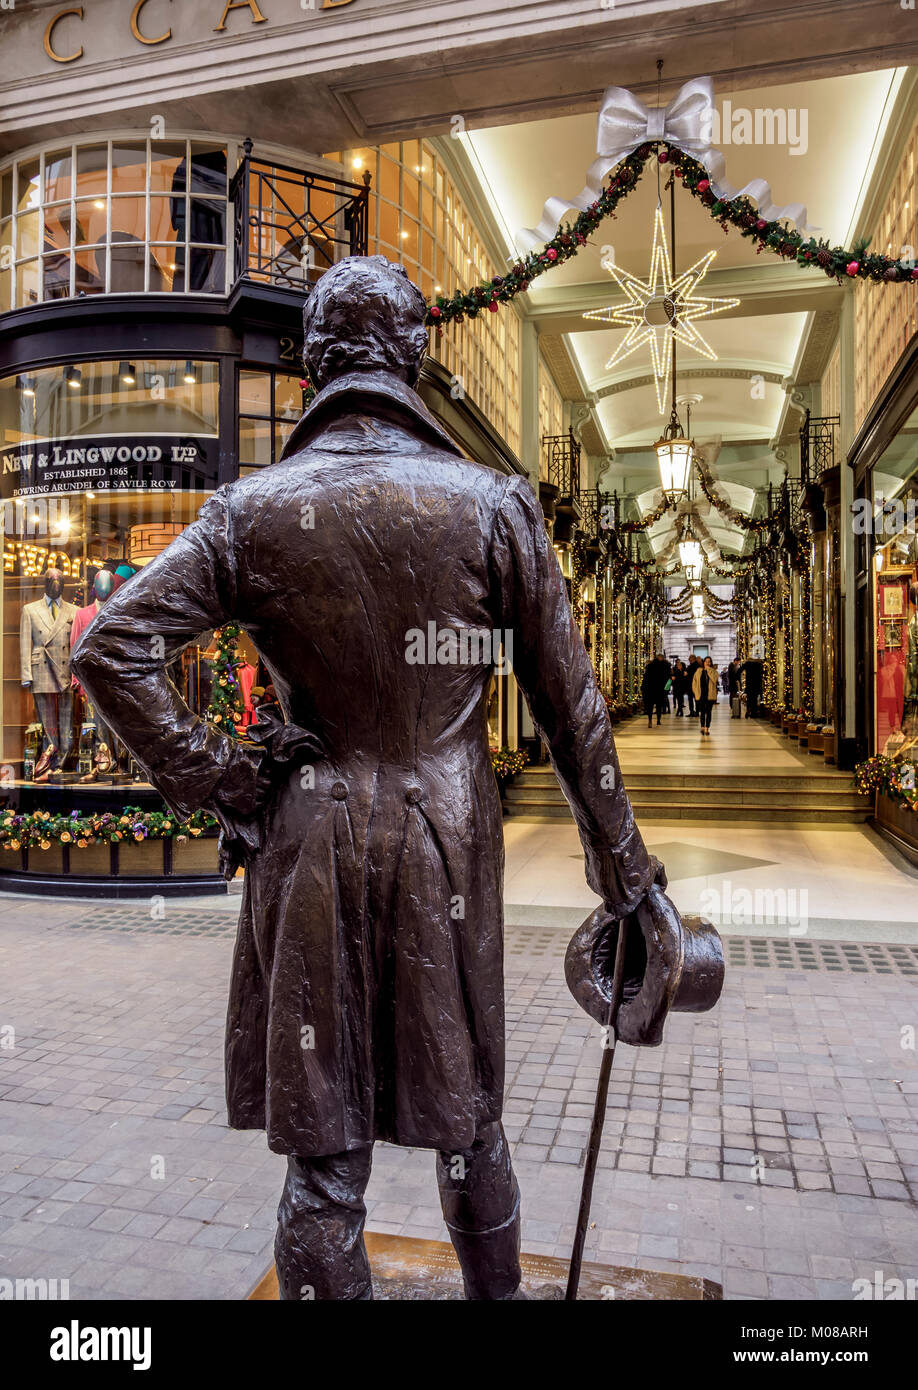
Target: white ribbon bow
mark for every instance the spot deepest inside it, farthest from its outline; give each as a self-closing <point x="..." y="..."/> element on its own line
<point x="686" y="124"/>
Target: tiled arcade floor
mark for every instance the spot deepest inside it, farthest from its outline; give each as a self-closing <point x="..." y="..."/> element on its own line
<point x="772" y="1145"/>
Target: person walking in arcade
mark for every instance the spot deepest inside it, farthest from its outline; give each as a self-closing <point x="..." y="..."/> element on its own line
<point x="705" y="686"/>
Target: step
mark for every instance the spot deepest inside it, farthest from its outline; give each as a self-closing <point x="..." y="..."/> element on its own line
<point x="707" y="781"/>
<point x="839" y="797"/>
<point x="798" y="814"/>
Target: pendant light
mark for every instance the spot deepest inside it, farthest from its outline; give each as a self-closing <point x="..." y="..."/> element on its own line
<point x="675" y="451"/>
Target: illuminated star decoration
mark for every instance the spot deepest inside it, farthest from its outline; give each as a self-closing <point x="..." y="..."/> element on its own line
<point x="675" y="303"/>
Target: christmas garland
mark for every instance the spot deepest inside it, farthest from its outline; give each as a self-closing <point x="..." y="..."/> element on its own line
<point x="885" y="775"/>
<point x="226" y="706"/>
<point x="41" y="829"/>
<point x="649" y="520"/>
<point x="837" y="262"/>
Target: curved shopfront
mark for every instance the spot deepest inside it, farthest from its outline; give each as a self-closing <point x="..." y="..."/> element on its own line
<point x="150" y="345"/>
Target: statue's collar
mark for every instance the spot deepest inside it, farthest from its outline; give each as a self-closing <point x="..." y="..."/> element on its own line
<point x="379" y="394"/>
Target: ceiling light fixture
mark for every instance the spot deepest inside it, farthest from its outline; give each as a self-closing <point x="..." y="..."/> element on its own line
<point x="128" y="375"/>
<point x="74" y="378"/>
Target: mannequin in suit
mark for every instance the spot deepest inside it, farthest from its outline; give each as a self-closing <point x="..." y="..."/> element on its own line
<point x="44" y="643"/>
<point x="103" y="757"/>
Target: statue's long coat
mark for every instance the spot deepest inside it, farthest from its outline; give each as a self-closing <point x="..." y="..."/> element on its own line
<point x="367" y="989"/>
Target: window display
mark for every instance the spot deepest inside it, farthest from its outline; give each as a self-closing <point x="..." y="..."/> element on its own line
<point x="102" y="464"/>
<point x="895" y="483"/>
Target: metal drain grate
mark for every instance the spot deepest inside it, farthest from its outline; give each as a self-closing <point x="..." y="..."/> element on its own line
<point x="143" y="922"/>
<point x="840" y="957"/>
<point x="547" y="943"/>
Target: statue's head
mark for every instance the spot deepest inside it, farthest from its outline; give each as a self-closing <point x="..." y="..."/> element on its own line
<point x="364" y="315"/>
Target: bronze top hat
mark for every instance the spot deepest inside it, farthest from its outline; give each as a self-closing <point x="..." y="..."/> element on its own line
<point x="670" y="963"/>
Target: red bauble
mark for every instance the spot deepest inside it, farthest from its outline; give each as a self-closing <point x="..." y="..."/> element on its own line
<point x="435" y="312"/>
<point x="703" y="185"/>
<point x="915" y="273"/>
<point x="663" y="157"/>
<point x="852" y="267"/>
<point x="551" y="254"/>
<point x="761" y="224"/>
<point x="493" y="306"/>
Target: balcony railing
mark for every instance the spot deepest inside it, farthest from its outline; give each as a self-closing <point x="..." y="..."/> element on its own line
<point x="562" y="456"/>
<point x="818" y="438"/>
<point x="290" y="225"/>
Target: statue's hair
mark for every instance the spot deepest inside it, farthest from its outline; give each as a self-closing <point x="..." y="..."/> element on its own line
<point x="363" y="315"/>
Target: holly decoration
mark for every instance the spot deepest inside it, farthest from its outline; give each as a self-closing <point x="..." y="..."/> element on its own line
<point x="227" y="706"/>
<point x="42" y="829"/>
<point x="897" y="779"/>
<point x="838" y="262"/>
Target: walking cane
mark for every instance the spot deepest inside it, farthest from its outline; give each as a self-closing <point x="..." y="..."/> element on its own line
<point x="599" y="1115"/>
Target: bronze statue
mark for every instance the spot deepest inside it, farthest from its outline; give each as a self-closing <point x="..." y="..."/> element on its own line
<point x="367" y="991"/>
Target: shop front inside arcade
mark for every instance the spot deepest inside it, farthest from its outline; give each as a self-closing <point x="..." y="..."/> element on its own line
<point x="102" y="466"/>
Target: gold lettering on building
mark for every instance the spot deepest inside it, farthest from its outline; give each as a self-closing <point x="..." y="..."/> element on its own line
<point x="49" y="35"/>
<point x="135" y="26"/>
<point x="250" y="5"/>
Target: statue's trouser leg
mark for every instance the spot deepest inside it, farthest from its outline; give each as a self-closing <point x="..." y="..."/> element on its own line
<point x="318" y="1249"/>
<point x="481" y="1206"/>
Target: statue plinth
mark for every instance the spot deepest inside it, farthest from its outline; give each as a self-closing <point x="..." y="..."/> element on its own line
<point x="406" y="1268"/>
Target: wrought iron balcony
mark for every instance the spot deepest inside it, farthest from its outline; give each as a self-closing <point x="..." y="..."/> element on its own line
<point x="290" y="225"/>
<point x="818" y="440"/>
<point x="562" y="455"/>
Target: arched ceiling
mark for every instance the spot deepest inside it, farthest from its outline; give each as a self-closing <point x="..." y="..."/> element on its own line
<point x="838" y="125"/>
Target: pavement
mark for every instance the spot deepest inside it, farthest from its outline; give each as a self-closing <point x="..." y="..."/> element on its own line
<point x="771" y="1145"/>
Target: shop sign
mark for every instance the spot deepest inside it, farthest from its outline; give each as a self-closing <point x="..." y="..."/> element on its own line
<point x="106" y="463"/>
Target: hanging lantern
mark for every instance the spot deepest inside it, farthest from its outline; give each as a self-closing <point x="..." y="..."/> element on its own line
<point x="674" y="455"/>
<point x="698" y="606"/>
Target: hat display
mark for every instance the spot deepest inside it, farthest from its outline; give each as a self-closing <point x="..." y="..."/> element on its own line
<point x="671" y="962"/>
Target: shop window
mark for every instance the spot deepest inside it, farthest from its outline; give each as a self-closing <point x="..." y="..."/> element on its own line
<point x="102" y="464"/>
<point x="114" y="217"/>
<point x="270" y="404"/>
<point x="895" y="529"/>
<point x="417" y="217"/>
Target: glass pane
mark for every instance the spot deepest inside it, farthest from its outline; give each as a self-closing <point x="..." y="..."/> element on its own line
<point x="208" y="169"/>
<point x="388" y="180"/>
<point x="410" y="193"/>
<point x="58" y="169"/>
<point x="92" y="171"/>
<point x="91" y="221"/>
<point x="26" y="235"/>
<point x="282" y="433"/>
<point x="167" y="269"/>
<point x="58" y="221"/>
<point x="255" y="393"/>
<point x="167" y="218"/>
<point x="129" y="166"/>
<point x="207" y="222"/>
<point x="206" y="269"/>
<point x="129" y="219"/>
<point x="6" y="289"/>
<point x="27" y="283"/>
<point x="56" y="276"/>
<point x="6" y="193"/>
<point x="29" y="191"/>
<point x="255" y="442"/>
<point x="126" y="268"/>
<point x="288" y="397"/>
<point x="89" y="271"/>
<point x="168" y="166"/>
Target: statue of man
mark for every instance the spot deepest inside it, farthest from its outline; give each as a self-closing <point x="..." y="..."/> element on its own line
<point x="367" y="993"/>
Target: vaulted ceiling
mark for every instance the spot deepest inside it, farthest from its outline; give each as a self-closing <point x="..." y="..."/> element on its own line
<point x="839" y="124"/>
